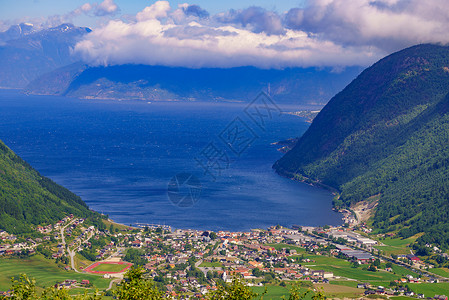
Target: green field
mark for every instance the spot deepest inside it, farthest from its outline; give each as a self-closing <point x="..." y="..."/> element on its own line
<point x="396" y="246"/>
<point x="291" y="247"/>
<point x="403" y="271"/>
<point x="340" y="291"/>
<point x="349" y="283"/>
<point x="273" y="292"/>
<point x="430" y="289"/>
<point x="46" y="273"/>
<point x="206" y="264"/>
<point x="344" y="268"/>
<point x="440" y="271"/>
<point x="113" y="268"/>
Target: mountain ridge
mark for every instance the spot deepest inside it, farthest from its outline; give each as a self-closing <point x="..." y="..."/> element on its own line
<point x="153" y="83"/>
<point x="386" y="134"/>
<point x="27" y="53"/>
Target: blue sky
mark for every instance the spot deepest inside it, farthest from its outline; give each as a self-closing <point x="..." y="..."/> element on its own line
<point x="19" y="9"/>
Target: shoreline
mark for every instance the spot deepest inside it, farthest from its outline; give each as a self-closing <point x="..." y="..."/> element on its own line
<point x="346" y="212"/>
<point x="293" y="176"/>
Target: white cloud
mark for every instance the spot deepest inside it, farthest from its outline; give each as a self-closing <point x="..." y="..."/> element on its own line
<point x="107" y="7"/>
<point x="153" y="42"/>
<point x="86" y="7"/>
<point x="325" y="33"/>
<point x="158" y="10"/>
<point x="387" y="24"/>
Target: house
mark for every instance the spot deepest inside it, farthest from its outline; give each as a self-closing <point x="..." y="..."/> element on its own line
<point x="363" y="285"/>
<point x="412" y="257"/>
<point x="137" y="244"/>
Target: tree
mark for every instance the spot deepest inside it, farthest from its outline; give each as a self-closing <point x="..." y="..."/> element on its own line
<point x="135" y="256"/>
<point x="135" y="287"/>
<point x="212" y="235"/>
<point x="257" y="272"/>
<point x="372" y="268"/>
<point x="23" y="288"/>
<point x="53" y="293"/>
<point x="237" y="290"/>
<point x="296" y="294"/>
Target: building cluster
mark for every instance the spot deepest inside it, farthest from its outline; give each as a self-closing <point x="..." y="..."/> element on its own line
<point x="395" y="291"/>
<point x="352" y="238"/>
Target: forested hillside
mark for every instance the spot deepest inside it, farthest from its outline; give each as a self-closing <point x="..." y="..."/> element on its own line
<point x="387" y="134"/>
<point x="27" y="198"/>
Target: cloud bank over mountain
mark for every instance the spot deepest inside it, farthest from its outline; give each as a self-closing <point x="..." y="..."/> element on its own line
<point x="336" y="33"/>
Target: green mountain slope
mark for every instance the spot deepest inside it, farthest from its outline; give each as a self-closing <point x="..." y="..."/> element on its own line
<point x="27" y="198"/>
<point x="387" y="134"/>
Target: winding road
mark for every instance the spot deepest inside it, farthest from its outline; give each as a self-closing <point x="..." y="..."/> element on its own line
<point x="72" y="253"/>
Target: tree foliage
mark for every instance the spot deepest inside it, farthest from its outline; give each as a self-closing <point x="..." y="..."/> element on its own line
<point x="134" y="287"/>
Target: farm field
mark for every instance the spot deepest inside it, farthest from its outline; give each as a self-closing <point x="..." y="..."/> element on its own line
<point x="273" y="292"/>
<point x="291" y="247"/>
<point x="430" y="289"/>
<point x="45" y="272"/>
<point x="344" y="268"/>
<point x="339" y="291"/>
<point x="397" y="246"/>
<point x="440" y="271"/>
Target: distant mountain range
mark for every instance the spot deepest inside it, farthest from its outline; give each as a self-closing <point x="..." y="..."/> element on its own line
<point x="153" y="83"/>
<point x="26" y="53"/>
<point x="42" y="62"/>
<point x="385" y="138"/>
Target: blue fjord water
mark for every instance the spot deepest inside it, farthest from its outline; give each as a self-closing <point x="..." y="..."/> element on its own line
<point x="120" y="157"/>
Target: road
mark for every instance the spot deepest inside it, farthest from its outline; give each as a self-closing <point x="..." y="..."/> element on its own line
<point x="112" y="282"/>
<point x="72" y="253"/>
<point x="62" y="232"/>
<point x="72" y="260"/>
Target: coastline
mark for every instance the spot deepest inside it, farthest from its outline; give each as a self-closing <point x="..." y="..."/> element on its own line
<point x="301" y="178"/>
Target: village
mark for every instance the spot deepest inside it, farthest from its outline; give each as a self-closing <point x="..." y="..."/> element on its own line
<point x="193" y="262"/>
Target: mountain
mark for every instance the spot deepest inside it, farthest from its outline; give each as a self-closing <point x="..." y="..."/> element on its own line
<point x="27" y="198"/>
<point x="385" y="137"/>
<point x="16" y="31"/>
<point x="154" y="83"/>
<point x="25" y="53"/>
